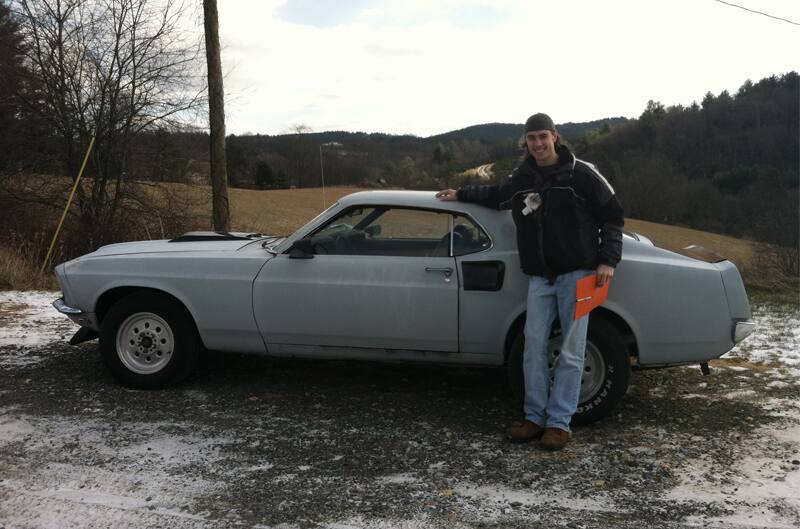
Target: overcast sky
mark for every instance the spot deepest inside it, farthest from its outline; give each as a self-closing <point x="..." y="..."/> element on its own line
<point x="429" y="66"/>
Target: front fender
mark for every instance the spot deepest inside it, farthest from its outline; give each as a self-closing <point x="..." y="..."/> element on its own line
<point x="216" y="290"/>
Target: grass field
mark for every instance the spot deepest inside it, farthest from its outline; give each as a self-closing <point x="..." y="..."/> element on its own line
<point x="274" y="212"/>
<point x="283" y="211"/>
<point x="740" y="251"/>
<point x="280" y="212"/>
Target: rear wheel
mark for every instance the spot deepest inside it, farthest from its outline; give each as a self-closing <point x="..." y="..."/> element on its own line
<point x="606" y="370"/>
<point x="148" y="340"/>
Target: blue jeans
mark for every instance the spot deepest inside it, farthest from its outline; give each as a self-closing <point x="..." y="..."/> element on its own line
<point x="546" y="405"/>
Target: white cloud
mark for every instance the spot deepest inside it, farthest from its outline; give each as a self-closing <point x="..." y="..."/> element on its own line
<point x="426" y="67"/>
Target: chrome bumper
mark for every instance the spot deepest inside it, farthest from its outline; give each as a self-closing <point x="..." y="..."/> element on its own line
<point x="63" y="308"/>
<point x="743" y="329"/>
<point x="84" y="319"/>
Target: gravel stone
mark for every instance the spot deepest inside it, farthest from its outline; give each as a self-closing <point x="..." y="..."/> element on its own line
<point x="288" y="443"/>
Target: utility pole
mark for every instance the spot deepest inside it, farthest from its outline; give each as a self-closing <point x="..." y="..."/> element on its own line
<point x="322" y="175"/>
<point x="322" y="168"/>
<point x="216" y="108"/>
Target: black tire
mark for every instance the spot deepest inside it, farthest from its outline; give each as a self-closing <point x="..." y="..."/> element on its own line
<point x="149" y="341"/>
<point x="606" y="346"/>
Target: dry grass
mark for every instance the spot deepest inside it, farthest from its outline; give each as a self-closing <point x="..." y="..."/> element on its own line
<point x="739" y="362"/>
<point x="19" y="272"/>
<point x="749" y="256"/>
<point x="739" y="251"/>
<point x="283" y="211"/>
<point x="280" y="212"/>
<point x="274" y="212"/>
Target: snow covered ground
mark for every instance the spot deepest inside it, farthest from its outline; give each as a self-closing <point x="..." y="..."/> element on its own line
<point x="28" y="322"/>
<point x="294" y="444"/>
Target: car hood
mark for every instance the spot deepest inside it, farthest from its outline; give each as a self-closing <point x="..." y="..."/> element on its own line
<point x="166" y="246"/>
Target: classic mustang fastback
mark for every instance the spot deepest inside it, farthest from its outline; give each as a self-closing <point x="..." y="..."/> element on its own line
<point x="389" y="275"/>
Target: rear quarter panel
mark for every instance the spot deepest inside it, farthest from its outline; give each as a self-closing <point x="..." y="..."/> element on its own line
<point x="676" y="306"/>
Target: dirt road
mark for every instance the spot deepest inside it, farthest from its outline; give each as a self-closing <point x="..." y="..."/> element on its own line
<point x="484" y="172"/>
<point x="257" y="442"/>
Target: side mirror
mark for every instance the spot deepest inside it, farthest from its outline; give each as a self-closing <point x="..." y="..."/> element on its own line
<point x="373" y="230"/>
<point x="301" y="249"/>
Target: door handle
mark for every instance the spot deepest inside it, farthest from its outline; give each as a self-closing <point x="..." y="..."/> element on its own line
<point x="446" y="270"/>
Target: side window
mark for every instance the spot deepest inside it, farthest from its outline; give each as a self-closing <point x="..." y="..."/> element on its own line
<point x="468" y="237"/>
<point x="412" y="224"/>
<point x="385" y="231"/>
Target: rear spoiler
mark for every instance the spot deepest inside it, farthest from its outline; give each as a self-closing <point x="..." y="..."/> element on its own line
<point x="702" y="254"/>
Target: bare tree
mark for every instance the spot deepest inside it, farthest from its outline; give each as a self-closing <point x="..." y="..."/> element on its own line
<point x="110" y="69"/>
<point x="216" y="105"/>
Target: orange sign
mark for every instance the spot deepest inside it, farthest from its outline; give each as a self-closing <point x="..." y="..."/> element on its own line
<point x="588" y="295"/>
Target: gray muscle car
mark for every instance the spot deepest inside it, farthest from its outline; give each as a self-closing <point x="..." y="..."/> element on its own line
<point x="388" y="275"/>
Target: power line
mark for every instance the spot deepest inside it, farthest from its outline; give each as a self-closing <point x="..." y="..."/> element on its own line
<point x="758" y="12"/>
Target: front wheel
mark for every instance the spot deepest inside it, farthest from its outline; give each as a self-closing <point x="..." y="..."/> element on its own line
<point x="148" y="340"/>
<point x="606" y="370"/>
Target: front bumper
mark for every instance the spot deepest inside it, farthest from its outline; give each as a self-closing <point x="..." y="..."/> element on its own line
<point x="84" y="319"/>
<point x="743" y="329"/>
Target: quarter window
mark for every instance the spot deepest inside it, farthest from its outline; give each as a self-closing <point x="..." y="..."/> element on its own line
<point x="468" y="237"/>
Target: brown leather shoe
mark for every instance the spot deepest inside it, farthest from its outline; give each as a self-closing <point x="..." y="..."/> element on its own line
<point x="555" y="438"/>
<point x="524" y="432"/>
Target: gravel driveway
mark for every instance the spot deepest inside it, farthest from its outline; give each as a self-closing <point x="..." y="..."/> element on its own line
<point x="259" y="442"/>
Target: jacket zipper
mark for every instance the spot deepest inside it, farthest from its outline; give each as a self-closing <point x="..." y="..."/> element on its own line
<point x="540" y="227"/>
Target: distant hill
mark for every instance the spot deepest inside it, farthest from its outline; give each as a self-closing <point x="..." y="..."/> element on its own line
<point x="360" y="158"/>
<point x="501" y="132"/>
<point x="489" y="133"/>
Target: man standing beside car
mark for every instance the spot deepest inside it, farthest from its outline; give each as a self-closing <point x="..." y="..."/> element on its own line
<point x="569" y="225"/>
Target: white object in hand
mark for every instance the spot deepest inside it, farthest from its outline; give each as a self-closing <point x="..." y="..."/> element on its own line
<point x="532" y="203"/>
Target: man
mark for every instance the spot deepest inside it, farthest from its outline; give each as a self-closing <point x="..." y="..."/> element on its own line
<point x="569" y="225"/>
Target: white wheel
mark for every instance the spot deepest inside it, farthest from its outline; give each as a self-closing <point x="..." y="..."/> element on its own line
<point x="145" y="343"/>
<point x="148" y="340"/>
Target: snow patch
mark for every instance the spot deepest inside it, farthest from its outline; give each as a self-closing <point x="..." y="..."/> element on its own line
<point x="775" y="340"/>
<point x="362" y="523"/>
<point x="761" y="487"/>
<point x="495" y="500"/>
<point x="13" y="429"/>
<point x="28" y="322"/>
<point x="402" y="478"/>
<point x="738" y="395"/>
<point x="95" y="481"/>
<point x="777" y="384"/>
<point x="260" y="468"/>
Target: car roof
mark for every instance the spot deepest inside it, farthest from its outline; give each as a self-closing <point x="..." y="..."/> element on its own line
<point x="427" y="199"/>
<point x="416" y="199"/>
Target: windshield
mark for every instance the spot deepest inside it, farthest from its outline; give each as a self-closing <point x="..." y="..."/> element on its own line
<point x="307" y="224"/>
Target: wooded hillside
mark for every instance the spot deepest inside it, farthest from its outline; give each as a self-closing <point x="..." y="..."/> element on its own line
<point x="728" y="164"/>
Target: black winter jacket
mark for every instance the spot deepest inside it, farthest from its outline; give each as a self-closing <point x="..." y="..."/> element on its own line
<point x="578" y="224"/>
